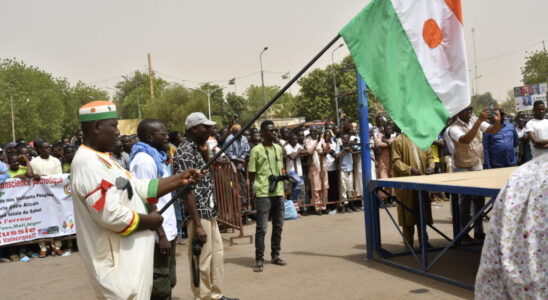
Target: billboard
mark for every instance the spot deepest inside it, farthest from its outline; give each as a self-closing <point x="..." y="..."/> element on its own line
<point x="528" y="94"/>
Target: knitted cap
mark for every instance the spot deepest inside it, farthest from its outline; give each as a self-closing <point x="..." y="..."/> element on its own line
<point x="98" y="110"/>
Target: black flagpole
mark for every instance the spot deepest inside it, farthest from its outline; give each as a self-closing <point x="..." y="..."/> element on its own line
<point x="257" y="116"/>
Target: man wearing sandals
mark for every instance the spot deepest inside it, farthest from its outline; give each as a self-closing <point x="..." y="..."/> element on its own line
<point x="265" y="160"/>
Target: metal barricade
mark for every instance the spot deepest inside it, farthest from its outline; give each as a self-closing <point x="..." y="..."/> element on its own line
<point x="227" y="194"/>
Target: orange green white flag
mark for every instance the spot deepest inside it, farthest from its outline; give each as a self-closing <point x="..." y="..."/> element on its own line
<point x="412" y="55"/>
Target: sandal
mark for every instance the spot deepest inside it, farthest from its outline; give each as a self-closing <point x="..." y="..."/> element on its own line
<point x="258" y="266"/>
<point x="278" y="261"/>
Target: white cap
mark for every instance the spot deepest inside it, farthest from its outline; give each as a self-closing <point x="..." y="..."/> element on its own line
<point x="197" y="118"/>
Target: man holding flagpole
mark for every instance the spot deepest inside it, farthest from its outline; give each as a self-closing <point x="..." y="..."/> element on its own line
<point x="115" y="231"/>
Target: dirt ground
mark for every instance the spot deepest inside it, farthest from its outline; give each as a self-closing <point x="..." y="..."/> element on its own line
<point x="325" y="255"/>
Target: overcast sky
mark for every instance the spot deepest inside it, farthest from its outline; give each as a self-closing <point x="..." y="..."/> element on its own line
<point x="97" y="42"/>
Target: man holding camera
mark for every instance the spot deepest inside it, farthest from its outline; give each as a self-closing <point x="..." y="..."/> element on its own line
<point x="265" y="168"/>
<point x="466" y="133"/>
<point x="201" y="210"/>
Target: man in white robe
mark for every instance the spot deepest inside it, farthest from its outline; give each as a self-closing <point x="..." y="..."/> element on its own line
<point x="115" y="234"/>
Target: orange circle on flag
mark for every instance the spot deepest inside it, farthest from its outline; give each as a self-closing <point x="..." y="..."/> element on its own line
<point x="93" y="109"/>
<point x="431" y="33"/>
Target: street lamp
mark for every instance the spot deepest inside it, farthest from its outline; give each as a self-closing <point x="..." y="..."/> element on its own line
<point x="262" y="73"/>
<point x="208" y="94"/>
<point x="335" y="90"/>
<point x="12" y="119"/>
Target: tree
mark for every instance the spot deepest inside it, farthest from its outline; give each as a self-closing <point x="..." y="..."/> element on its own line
<point x="282" y="108"/>
<point x="509" y="105"/>
<point x="43" y="106"/>
<point x="133" y="92"/>
<point x="73" y="98"/>
<point x="536" y="68"/>
<point x="175" y="103"/>
<point x="479" y="102"/>
<point x="316" y="100"/>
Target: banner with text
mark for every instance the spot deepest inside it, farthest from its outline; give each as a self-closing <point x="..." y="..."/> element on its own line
<point x="35" y="209"/>
<point x="526" y="95"/>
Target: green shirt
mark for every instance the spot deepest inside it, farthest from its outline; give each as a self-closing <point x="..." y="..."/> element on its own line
<point x="66" y="168"/>
<point x="263" y="166"/>
<point x="21" y="170"/>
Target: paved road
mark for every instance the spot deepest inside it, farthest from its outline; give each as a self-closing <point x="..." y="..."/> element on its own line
<point x="326" y="261"/>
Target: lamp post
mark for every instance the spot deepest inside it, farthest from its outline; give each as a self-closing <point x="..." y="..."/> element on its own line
<point x="335" y="90"/>
<point x="208" y="94"/>
<point x="262" y="73"/>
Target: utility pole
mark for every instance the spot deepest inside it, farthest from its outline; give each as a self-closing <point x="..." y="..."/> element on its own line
<point x="12" y="119"/>
<point x="476" y="77"/>
<point x="150" y="77"/>
<point x="138" y="106"/>
<point x="543" y="45"/>
<point x="335" y="90"/>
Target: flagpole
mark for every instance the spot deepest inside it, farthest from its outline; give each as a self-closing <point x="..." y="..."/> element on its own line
<point x="259" y="113"/>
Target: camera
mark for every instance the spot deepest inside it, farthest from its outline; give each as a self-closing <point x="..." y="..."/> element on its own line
<point x="196" y="247"/>
<point x="355" y="146"/>
<point x="273" y="181"/>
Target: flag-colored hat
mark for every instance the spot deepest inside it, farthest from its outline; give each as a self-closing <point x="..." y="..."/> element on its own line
<point x="98" y="110"/>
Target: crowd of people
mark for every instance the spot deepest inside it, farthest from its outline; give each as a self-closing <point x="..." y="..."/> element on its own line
<point x="317" y="166"/>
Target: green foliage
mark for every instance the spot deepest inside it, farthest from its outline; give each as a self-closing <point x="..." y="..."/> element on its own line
<point x="283" y="108"/>
<point x="43" y="106"/>
<point x="134" y="92"/>
<point x="509" y="105"/>
<point x="479" y="102"/>
<point x="175" y="104"/>
<point x="316" y="100"/>
<point x="536" y="68"/>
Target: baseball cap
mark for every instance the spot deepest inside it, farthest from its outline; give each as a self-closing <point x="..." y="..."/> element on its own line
<point x="197" y="118"/>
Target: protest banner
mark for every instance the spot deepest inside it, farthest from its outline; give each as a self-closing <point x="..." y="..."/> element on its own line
<point x="35" y="209"/>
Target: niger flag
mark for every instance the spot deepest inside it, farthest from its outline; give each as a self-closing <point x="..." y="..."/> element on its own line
<point x="412" y="55"/>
